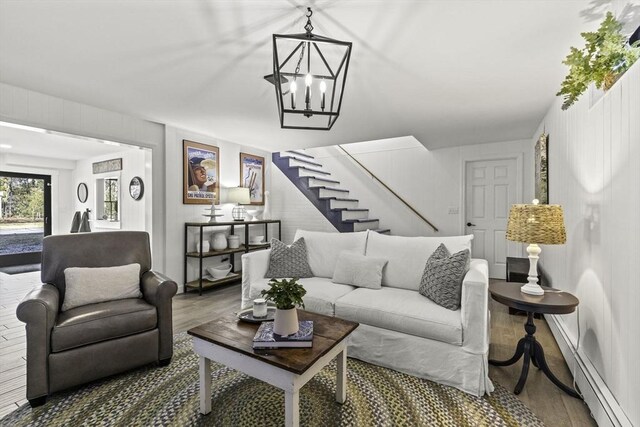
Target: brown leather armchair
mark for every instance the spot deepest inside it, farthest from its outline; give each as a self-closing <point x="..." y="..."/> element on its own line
<point x="68" y="348"/>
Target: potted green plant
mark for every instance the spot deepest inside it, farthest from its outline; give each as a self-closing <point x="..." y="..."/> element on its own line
<point x="605" y="57"/>
<point x="286" y="295"/>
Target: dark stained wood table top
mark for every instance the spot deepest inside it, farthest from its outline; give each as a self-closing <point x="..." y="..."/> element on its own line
<point x="229" y="332"/>
<point x="554" y="301"/>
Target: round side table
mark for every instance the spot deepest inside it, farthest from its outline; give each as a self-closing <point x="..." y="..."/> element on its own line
<point x="552" y="302"/>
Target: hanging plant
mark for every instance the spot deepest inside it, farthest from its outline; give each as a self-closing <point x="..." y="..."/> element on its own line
<point x="605" y="57"/>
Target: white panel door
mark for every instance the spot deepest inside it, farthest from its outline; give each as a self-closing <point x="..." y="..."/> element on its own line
<point x="490" y="189"/>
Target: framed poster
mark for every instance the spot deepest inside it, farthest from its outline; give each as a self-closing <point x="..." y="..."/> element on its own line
<point x="542" y="169"/>
<point x="252" y="177"/>
<point x="201" y="166"/>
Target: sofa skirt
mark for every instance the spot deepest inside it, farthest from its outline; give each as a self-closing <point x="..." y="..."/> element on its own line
<point x="433" y="360"/>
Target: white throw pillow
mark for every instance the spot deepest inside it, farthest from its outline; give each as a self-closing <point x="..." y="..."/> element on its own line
<point x="359" y="270"/>
<point x="85" y="285"/>
<point x="408" y="255"/>
<point x="323" y="248"/>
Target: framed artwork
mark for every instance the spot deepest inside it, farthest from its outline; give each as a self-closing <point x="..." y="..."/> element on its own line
<point x="542" y="169"/>
<point x="107" y="166"/>
<point x="201" y="167"/>
<point x="252" y="176"/>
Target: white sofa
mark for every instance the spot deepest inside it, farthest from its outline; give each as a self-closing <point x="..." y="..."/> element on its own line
<point x="399" y="328"/>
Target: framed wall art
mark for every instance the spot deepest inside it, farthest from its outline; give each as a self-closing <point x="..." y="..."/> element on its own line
<point x="542" y="169"/>
<point x="201" y="168"/>
<point x="252" y="176"/>
<point x="107" y="166"/>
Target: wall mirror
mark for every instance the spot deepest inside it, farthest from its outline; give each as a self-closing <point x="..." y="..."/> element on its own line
<point x="82" y="192"/>
<point x="136" y="188"/>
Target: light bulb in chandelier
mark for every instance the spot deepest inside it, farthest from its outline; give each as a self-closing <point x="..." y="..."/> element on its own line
<point x="307" y="91"/>
<point x="323" y="89"/>
<point x="292" y="89"/>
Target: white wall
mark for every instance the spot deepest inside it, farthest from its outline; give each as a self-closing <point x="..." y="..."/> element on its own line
<point x="29" y="108"/>
<point x="62" y="188"/>
<point x="430" y="181"/>
<point x="134" y="214"/>
<point x="594" y="173"/>
<point x="178" y="213"/>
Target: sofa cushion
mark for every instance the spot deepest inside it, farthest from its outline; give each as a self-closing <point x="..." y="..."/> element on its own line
<point x="90" y="285"/>
<point x="408" y="255"/>
<point x="403" y="311"/>
<point x="321" y="293"/>
<point x="288" y="261"/>
<point x="359" y="270"/>
<point x="94" y="323"/>
<point x="323" y="248"/>
<point x="443" y="275"/>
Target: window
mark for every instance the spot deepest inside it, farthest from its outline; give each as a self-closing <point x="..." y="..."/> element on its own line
<point x="107" y="202"/>
<point x="110" y="199"/>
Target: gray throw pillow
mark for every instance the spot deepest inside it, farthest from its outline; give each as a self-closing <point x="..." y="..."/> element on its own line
<point x="442" y="278"/>
<point x="288" y="261"/>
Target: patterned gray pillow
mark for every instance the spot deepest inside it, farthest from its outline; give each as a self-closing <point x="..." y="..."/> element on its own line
<point x="442" y="278"/>
<point x="288" y="261"/>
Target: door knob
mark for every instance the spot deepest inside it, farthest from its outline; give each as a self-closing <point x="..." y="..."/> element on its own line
<point x="470" y="225"/>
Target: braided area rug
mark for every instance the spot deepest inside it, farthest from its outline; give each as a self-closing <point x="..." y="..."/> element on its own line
<point x="154" y="396"/>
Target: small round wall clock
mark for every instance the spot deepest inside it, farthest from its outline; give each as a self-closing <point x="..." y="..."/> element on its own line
<point x="136" y="188"/>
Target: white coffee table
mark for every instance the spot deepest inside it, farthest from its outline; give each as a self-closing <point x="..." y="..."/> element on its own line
<point x="229" y="341"/>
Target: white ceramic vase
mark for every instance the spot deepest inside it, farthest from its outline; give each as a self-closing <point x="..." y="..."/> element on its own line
<point x="219" y="241"/>
<point x="266" y="212"/>
<point x="285" y="322"/>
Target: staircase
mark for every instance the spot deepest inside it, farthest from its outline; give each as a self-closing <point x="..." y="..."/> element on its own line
<point x="325" y="193"/>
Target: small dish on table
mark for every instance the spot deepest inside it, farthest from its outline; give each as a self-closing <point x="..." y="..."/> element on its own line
<point x="246" y="315"/>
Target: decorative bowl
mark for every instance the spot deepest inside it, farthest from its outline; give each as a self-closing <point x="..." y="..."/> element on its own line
<point x="219" y="271"/>
<point x="256" y="240"/>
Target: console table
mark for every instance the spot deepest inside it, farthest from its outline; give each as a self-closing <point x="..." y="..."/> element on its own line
<point x="553" y="301"/>
<point x="201" y="283"/>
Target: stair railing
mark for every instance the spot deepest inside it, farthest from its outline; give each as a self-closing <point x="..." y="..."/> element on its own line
<point x="389" y="189"/>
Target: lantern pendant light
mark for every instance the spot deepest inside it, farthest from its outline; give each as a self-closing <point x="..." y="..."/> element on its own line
<point x="321" y="66"/>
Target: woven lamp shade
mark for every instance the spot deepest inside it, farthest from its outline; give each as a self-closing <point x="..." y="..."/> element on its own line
<point x="540" y="224"/>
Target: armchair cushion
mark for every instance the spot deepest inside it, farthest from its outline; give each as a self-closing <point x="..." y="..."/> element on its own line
<point x="86" y="285"/>
<point x="94" y="323"/>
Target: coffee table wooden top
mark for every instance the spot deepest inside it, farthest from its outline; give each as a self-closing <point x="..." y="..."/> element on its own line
<point x="229" y="332"/>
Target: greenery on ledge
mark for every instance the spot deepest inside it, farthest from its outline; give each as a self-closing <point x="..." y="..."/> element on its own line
<point x="605" y="57"/>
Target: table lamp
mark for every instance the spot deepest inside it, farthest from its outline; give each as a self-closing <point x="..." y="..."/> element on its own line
<point x="240" y="196"/>
<point x="536" y="224"/>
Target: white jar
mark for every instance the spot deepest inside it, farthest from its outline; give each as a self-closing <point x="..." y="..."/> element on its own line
<point x="219" y="242"/>
<point x="205" y="246"/>
<point x="234" y="241"/>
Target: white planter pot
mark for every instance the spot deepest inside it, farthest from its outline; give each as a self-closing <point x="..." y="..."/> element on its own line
<point x="286" y="322"/>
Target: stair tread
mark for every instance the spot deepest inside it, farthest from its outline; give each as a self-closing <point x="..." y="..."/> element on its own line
<point x="349" y="209"/>
<point x="326" y="187"/>
<point x="339" y="199"/>
<point x="321" y="179"/>
<point x="310" y="169"/>
<point x="304" y="161"/>
<point x="361" y="220"/>
<point x="300" y="153"/>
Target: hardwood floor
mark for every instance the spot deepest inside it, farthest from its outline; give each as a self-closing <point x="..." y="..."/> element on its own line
<point x="550" y="404"/>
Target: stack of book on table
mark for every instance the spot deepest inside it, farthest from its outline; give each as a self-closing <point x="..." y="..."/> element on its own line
<point x="266" y="338"/>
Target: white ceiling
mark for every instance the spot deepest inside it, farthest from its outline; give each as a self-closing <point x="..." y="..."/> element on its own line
<point x="52" y="145"/>
<point x="447" y="72"/>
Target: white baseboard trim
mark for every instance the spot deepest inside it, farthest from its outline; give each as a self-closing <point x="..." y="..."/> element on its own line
<point x="601" y="402"/>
